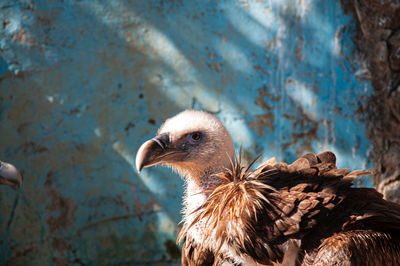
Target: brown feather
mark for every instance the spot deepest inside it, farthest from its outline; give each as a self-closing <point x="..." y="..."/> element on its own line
<point x="358" y="247"/>
<point x="257" y="213"/>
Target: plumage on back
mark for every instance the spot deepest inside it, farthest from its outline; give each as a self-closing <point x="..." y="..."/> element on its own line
<point x="308" y="209"/>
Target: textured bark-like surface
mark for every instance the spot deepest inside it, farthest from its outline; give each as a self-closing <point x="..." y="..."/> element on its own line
<point x="378" y="41"/>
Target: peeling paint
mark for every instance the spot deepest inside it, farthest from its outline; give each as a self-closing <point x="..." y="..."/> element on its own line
<point x="65" y="206"/>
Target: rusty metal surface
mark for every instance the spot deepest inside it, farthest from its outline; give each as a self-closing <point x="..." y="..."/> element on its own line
<point x="84" y="83"/>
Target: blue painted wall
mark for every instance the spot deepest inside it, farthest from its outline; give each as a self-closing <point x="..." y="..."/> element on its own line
<point x="84" y="83"/>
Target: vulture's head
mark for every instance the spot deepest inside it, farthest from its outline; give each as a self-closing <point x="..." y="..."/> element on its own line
<point x="194" y="143"/>
<point x="9" y="175"/>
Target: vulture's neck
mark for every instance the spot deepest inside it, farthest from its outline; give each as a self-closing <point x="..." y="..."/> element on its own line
<point x="199" y="187"/>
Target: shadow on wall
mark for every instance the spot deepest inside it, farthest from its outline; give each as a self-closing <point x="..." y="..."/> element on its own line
<point x="85" y="83"/>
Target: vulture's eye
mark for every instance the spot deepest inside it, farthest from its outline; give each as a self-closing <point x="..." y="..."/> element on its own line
<point x="195" y="137"/>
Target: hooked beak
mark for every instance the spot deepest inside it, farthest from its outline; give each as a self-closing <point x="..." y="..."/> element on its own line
<point x="153" y="152"/>
<point x="9" y="175"/>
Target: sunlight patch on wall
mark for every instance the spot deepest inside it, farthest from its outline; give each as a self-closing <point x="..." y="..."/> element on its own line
<point x="97" y="132"/>
<point x="336" y="43"/>
<point x="263" y="15"/>
<point x="161" y="47"/>
<point x="165" y="224"/>
<point x="236" y="58"/>
<point x="150" y="181"/>
<point x="50" y="98"/>
<point x="303" y="95"/>
<point x="251" y="25"/>
<point x="239" y="130"/>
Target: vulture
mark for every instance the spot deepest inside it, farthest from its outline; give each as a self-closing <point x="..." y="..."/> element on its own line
<point x="305" y="213"/>
<point x="9" y="175"/>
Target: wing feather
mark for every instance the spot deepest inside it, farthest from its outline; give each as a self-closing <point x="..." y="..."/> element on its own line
<point x="257" y="213"/>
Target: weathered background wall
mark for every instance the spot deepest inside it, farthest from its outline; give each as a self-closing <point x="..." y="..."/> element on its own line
<point x="378" y="42"/>
<point x="84" y="83"/>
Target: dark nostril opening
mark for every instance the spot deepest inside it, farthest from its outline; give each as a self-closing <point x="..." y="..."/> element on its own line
<point x="159" y="143"/>
<point x="162" y="140"/>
